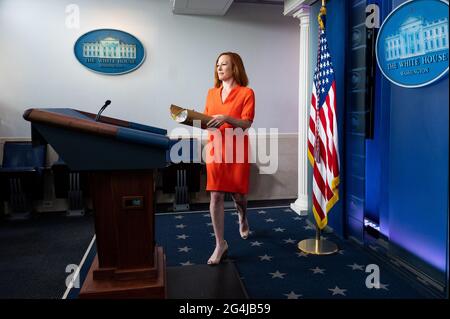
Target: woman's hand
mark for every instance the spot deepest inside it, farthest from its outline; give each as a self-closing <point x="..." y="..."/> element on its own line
<point x="217" y="121"/>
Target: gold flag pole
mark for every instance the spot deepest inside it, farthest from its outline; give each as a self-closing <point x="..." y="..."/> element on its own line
<point x="318" y="245"/>
<point x="322" y="12"/>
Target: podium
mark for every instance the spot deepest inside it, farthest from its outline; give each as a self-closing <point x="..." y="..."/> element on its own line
<point x="120" y="159"/>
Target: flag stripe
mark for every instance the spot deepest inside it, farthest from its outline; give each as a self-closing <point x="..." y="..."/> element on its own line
<point x="316" y="205"/>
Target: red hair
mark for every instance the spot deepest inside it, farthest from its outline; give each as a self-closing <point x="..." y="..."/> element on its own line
<point x="238" y="69"/>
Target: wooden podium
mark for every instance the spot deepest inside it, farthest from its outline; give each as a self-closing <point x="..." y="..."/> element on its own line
<point x="121" y="158"/>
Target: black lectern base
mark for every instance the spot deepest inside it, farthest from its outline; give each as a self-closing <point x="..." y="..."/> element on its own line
<point x="205" y="282"/>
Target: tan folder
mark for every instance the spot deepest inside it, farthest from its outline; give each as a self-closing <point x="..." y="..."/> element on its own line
<point x="187" y="117"/>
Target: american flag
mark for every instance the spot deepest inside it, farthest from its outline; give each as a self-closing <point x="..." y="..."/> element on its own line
<point x="323" y="150"/>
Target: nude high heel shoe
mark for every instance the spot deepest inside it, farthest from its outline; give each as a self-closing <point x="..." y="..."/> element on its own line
<point x="221" y="256"/>
<point x="244" y="234"/>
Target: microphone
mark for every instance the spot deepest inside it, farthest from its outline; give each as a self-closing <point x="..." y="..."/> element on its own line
<point x="107" y="102"/>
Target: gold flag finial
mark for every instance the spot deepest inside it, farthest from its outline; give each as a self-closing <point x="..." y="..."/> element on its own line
<point x="323" y="12"/>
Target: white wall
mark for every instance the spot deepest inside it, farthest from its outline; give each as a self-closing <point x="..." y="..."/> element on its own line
<point x="38" y="67"/>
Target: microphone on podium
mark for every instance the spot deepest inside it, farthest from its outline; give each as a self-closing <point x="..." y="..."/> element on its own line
<point x="107" y="102"/>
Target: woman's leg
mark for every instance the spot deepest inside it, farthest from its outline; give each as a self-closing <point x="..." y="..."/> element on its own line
<point x="240" y="202"/>
<point x="217" y="218"/>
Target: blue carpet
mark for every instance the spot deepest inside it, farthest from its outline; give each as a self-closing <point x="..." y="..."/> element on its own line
<point x="269" y="263"/>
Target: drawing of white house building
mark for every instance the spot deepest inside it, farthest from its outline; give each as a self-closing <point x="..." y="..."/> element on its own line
<point x="109" y="48"/>
<point x="416" y="37"/>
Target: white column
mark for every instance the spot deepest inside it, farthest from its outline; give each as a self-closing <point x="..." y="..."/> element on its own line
<point x="301" y="204"/>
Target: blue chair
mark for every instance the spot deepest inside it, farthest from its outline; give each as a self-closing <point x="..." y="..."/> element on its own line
<point x="21" y="176"/>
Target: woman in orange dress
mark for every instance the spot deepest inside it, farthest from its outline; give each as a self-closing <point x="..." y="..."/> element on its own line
<point x="232" y="105"/>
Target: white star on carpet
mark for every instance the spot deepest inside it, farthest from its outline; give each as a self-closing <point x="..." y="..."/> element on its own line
<point x="212" y="234"/>
<point x="270" y="220"/>
<point x="182" y="236"/>
<point x="185" y="249"/>
<point x="355" y="266"/>
<point x="235" y="214"/>
<point x="341" y="252"/>
<point x="180" y="226"/>
<point x="265" y="257"/>
<point x="178" y="217"/>
<point x="287" y="210"/>
<point x="309" y="227"/>
<point x="206" y="215"/>
<point x="208" y="224"/>
<point x="256" y="243"/>
<point x="298" y="218"/>
<point x="302" y="254"/>
<point x="262" y="212"/>
<point x="187" y="263"/>
<point x="277" y="274"/>
<point x="338" y="291"/>
<point x="279" y="229"/>
<point x="289" y="241"/>
<point x="292" y="295"/>
<point x="317" y="270"/>
<point x="384" y="286"/>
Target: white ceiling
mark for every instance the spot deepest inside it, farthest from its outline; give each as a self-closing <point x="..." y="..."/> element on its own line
<point x="212" y="7"/>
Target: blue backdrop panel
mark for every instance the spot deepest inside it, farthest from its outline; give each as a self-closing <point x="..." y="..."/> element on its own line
<point x="418" y="158"/>
<point x="419" y="174"/>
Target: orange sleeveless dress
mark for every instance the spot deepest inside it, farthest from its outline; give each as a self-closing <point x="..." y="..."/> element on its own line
<point x="231" y="173"/>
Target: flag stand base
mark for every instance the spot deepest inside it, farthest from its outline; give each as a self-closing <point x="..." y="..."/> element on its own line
<point x="317" y="246"/>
